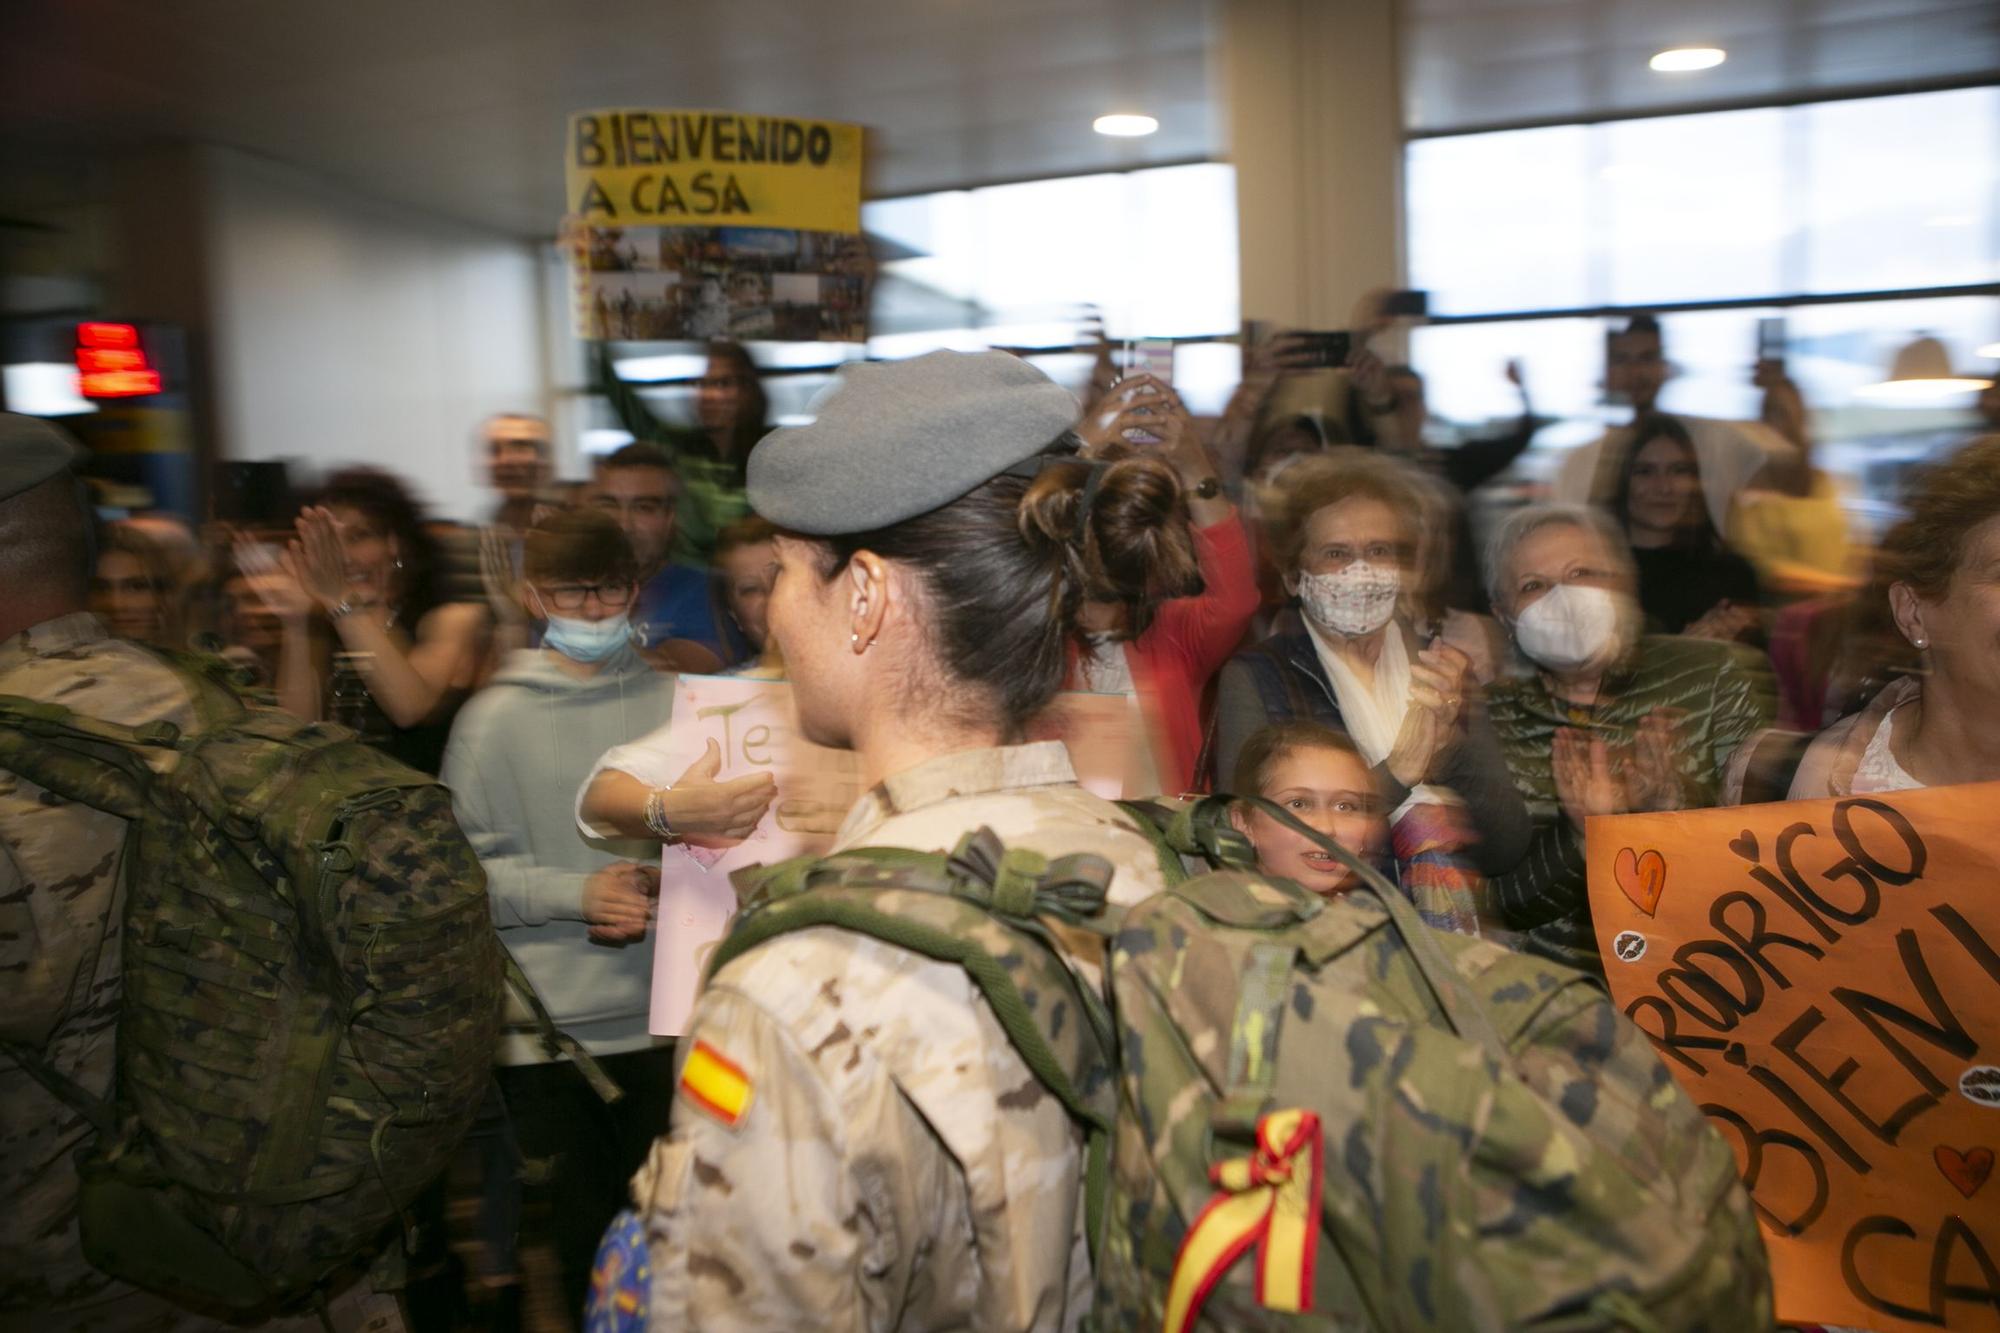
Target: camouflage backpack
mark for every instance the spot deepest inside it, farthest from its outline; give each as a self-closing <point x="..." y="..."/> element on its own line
<point x="1311" y="1113"/>
<point x="312" y="994"/>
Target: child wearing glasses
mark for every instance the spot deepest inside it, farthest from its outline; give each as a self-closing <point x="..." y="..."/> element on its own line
<point x="573" y="910"/>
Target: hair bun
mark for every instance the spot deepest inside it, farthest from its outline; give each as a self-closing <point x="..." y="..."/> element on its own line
<point x="1119" y="524"/>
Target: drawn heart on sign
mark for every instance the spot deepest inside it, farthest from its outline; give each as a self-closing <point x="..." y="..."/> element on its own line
<point x="1744" y="845"/>
<point x="1643" y="877"/>
<point x="1967" y="1171"/>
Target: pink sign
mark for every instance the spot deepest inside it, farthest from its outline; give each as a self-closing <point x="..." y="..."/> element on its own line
<point x="755" y="724"/>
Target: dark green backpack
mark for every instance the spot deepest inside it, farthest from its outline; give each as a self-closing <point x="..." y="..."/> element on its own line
<point x="1310" y="1113"/>
<point x="312" y="994"/>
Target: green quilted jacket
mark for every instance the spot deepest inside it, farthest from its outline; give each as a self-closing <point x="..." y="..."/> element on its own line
<point x="1725" y="694"/>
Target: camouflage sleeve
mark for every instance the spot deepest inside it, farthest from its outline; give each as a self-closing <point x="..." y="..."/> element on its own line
<point x="779" y="1200"/>
<point x="49" y="935"/>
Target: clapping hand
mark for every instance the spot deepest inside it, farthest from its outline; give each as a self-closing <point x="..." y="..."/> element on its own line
<point x="1439" y="679"/>
<point x="1586" y="782"/>
<point x="277" y="590"/>
<point x="1656" y="782"/>
<point x="314" y="561"/>
<point x="496" y="572"/>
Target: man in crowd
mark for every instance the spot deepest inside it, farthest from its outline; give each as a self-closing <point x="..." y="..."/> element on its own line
<point x="636" y="487"/>
<point x="515" y="449"/>
<point x="1731" y="454"/>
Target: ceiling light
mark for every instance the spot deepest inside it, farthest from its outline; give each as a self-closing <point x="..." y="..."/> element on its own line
<point x="1991" y="352"/>
<point x="1921" y="374"/>
<point x="1124" y="126"/>
<point x="1682" y="59"/>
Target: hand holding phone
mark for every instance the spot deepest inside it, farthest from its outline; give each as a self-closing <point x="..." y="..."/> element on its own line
<point x="1133" y="413"/>
<point x="1323" y="349"/>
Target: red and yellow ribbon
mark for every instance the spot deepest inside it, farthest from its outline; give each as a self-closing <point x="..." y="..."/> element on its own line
<point x="1270" y="1200"/>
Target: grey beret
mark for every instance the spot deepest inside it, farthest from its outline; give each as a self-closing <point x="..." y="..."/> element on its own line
<point x="895" y="439"/>
<point x="31" y="451"/>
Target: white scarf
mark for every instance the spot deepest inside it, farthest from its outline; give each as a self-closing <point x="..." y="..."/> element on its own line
<point x="1373" y="711"/>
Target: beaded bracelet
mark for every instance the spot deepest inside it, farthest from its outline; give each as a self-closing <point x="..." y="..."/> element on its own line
<point x="656" y="814"/>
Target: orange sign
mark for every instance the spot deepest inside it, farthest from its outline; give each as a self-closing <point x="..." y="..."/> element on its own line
<point x="1824" y="979"/>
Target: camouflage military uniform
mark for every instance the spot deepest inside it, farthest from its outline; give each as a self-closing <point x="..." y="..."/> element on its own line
<point x="59" y="917"/>
<point x="896" y="1165"/>
<point x="60" y="908"/>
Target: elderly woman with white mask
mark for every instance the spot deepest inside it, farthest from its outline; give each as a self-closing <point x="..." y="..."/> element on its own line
<point x="1607" y="721"/>
<point x="1346" y="544"/>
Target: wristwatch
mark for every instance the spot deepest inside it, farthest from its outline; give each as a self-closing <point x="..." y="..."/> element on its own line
<point x="1208" y="488"/>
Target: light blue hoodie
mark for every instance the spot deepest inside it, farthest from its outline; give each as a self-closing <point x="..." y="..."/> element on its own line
<point x="518" y="752"/>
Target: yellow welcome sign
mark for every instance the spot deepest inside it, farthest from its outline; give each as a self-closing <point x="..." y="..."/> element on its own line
<point x="666" y="168"/>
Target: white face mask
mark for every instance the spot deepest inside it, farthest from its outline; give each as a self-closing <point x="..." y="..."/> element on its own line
<point x="1359" y="599"/>
<point x="1574" y="625"/>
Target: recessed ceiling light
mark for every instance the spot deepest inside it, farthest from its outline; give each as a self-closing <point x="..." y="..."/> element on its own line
<point x="1681" y="59"/>
<point x="1124" y="126"/>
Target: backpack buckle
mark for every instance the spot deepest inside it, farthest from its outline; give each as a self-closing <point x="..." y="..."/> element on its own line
<point x="1235" y="1117"/>
<point x="163" y="936"/>
<point x="1019" y="883"/>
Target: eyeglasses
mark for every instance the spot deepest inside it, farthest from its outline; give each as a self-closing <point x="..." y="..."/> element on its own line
<point x="572" y="596"/>
<point x="1340" y="556"/>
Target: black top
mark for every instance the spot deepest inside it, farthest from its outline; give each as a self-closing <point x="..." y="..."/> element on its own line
<point x="1678" y="586"/>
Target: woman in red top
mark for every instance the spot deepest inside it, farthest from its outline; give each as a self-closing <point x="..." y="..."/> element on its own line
<point x="1166" y="656"/>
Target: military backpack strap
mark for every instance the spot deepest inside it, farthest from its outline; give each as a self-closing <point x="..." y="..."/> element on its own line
<point x="1266" y="983"/>
<point x="1153" y="819"/>
<point x="554" y="1039"/>
<point x="1456" y="1000"/>
<point x="85" y="759"/>
<point x="61" y="1087"/>
<point x="1006" y="883"/>
<point x="212" y="685"/>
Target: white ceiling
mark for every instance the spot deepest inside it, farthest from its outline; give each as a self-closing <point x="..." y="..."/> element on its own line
<point x="1484" y="62"/>
<point x="458" y="106"/>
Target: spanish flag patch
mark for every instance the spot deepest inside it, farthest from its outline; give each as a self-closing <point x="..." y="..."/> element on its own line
<point x="715" y="1083"/>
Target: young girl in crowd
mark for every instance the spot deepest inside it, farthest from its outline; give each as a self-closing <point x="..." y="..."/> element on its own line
<point x="1315" y="773"/>
<point x="134" y="591"/>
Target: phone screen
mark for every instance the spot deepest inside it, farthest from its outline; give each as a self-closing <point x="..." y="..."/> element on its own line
<point x="1407" y="304"/>
<point x="1328" y="348"/>
<point x="1771" y="338"/>
<point x="1155" y="357"/>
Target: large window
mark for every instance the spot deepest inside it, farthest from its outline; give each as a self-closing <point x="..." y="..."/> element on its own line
<point x="1154" y="251"/>
<point x="1883" y="193"/>
<point x="1533" y="242"/>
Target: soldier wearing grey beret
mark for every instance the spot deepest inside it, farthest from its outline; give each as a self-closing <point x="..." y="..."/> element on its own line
<point x="31" y="452"/>
<point x="896" y="439"/>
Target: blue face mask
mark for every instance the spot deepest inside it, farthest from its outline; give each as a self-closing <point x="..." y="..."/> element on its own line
<point x="587" y="640"/>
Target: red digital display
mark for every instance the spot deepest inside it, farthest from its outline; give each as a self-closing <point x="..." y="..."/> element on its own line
<point x="110" y="363"/>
